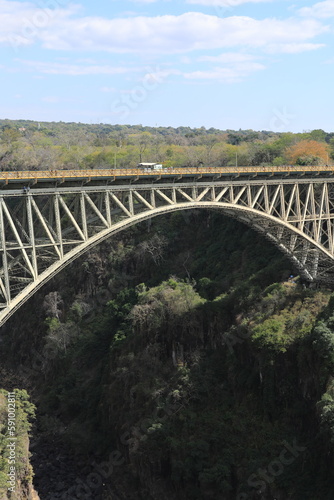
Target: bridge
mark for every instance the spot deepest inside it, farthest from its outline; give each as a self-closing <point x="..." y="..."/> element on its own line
<point x="49" y="218"/>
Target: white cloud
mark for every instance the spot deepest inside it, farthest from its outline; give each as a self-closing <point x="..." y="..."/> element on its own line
<point x="320" y="10"/>
<point x="85" y="60"/>
<point x="52" y="99"/>
<point x="74" y="69"/>
<point x="65" y="29"/>
<point x="223" y="3"/>
<point x="231" y="74"/>
<point x="233" y="67"/>
<point x="22" y="23"/>
<point x="177" y="34"/>
<point x="160" y="75"/>
<point x="144" y="1"/>
<point x="228" y="57"/>
<point x="293" y="48"/>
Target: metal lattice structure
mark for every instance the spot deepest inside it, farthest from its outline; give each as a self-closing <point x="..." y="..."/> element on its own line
<point x="46" y="227"/>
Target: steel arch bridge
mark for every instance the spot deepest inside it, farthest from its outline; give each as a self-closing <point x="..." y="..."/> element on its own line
<point x="48" y="219"/>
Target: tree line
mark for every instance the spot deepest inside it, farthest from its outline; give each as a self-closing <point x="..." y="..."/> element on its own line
<point x="30" y="145"/>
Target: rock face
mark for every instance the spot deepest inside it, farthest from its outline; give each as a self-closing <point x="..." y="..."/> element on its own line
<point x="60" y="475"/>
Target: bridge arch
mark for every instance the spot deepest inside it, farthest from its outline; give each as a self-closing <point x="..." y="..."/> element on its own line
<point x="309" y="256"/>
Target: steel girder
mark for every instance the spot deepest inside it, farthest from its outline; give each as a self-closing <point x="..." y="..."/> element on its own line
<point x="43" y="230"/>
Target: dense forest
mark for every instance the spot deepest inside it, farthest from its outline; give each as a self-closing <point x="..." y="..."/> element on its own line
<point x="177" y="361"/>
<point x="26" y="145"/>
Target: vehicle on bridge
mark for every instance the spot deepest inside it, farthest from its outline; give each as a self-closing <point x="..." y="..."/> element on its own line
<point x="149" y="167"/>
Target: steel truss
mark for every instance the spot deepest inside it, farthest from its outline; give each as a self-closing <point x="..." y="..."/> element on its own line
<point x="43" y="230"/>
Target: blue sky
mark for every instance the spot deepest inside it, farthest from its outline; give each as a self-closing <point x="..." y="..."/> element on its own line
<point x="228" y="64"/>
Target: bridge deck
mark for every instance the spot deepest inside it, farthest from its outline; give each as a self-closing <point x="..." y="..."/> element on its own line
<point x="135" y="174"/>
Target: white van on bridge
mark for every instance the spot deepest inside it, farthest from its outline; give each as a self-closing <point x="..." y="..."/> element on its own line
<point x="148" y="167"/>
